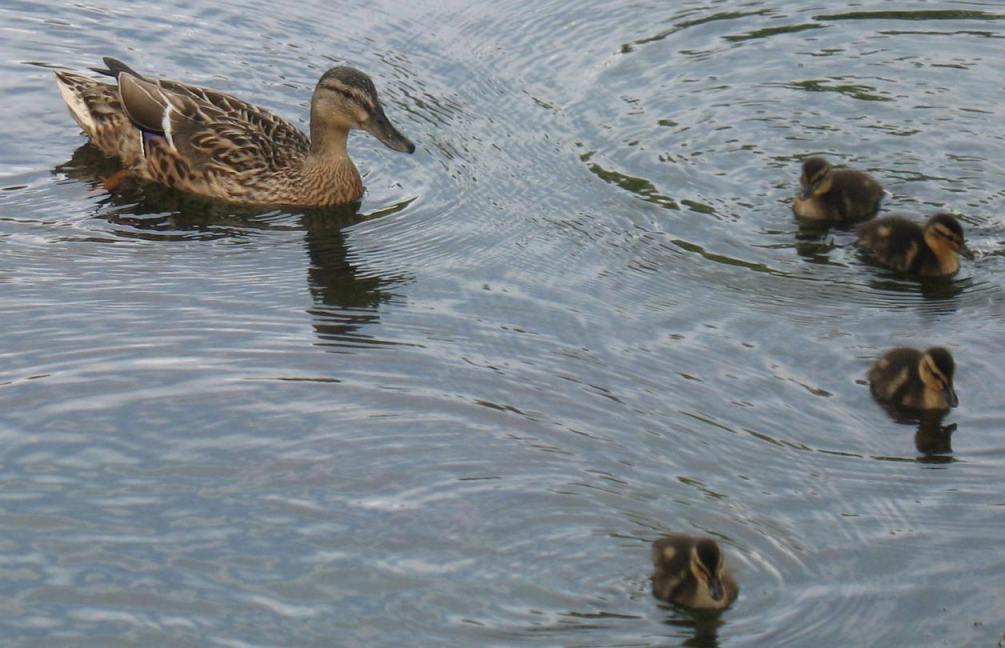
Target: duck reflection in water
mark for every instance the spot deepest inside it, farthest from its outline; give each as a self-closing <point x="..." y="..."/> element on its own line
<point x="932" y="439"/>
<point x="344" y="301"/>
<point x="703" y="628"/>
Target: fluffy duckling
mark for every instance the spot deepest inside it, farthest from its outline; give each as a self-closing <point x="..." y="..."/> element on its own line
<point x="836" y="195"/>
<point x="931" y="250"/>
<point x="691" y="572"/>
<point x="913" y="379"/>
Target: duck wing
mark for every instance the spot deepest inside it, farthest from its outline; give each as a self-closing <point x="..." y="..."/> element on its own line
<point x="205" y="127"/>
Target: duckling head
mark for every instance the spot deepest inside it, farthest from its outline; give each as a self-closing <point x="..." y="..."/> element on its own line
<point x="707" y="565"/>
<point x="944" y="234"/>
<point x="346" y="98"/>
<point x="816" y="178"/>
<point x="936" y="369"/>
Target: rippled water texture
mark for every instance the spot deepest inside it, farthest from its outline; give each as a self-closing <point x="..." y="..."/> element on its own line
<point x="580" y="316"/>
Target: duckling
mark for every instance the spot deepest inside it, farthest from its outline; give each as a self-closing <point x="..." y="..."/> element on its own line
<point x="836" y="195"/>
<point x="691" y="572"/>
<point x="929" y="251"/>
<point x="913" y="379"/>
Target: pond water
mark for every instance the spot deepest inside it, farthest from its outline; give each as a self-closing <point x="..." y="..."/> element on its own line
<point x="579" y="317"/>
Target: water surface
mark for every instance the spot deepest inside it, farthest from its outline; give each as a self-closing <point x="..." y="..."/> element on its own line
<point x="580" y="316"/>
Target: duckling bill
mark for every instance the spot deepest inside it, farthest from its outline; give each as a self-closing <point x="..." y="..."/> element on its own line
<point x="913" y="379"/>
<point x="932" y="250"/>
<point x="836" y="195"/>
<point x="691" y="572"/>
<point x="218" y="146"/>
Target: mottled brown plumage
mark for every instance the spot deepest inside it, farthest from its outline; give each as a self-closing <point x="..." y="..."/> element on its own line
<point x="836" y="195"/>
<point x="931" y="250"/>
<point x="692" y="572"/>
<point x="218" y="146"/>
<point x="912" y="379"/>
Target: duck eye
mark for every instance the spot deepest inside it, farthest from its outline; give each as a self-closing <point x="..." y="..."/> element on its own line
<point x="342" y="92"/>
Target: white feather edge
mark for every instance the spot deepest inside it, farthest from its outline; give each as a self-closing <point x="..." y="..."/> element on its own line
<point x="78" y="109"/>
<point x="166" y="120"/>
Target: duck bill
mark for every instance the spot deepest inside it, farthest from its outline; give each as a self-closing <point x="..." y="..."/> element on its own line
<point x="967" y="253"/>
<point x="381" y="127"/>
<point x="806" y="192"/>
<point x="715" y="588"/>
<point x="951" y="397"/>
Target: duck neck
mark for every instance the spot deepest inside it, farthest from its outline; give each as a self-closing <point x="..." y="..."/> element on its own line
<point x="949" y="262"/>
<point x="328" y="142"/>
<point x="328" y="171"/>
<point x="943" y="254"/>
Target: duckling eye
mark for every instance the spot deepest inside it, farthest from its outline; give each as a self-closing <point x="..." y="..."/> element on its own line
<point x="949" y="236"/>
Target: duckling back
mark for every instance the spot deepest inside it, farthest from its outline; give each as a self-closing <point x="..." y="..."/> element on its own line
<point x="893" y="375"/>
<point x="894" y="242"/>
<point x="854" y="196"/>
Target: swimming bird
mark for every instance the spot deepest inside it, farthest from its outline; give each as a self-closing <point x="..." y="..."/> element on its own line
<point x="835" y="195"/>
<point x="913" y="379"/>
<point x="692" y="572"/>
<point x="221" y="147"/>
<point x="931" y="250"/>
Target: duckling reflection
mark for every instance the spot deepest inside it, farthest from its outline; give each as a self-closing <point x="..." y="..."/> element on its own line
<point x="931" y="250"/>
<point x="703" y="629"/>
<point x="915" y="380"/>
<point x="691" y="572"/>
<point x="836" y="195"/>
<point x="813" y="243"/>
<point x="933" y="439"/>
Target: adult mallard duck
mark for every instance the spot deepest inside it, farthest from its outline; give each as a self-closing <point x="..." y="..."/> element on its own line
<point x="932" y="250"/>
<point x="835" y="195"/>
<point x="692" y="572"/>
<point x="218" y="146"/>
